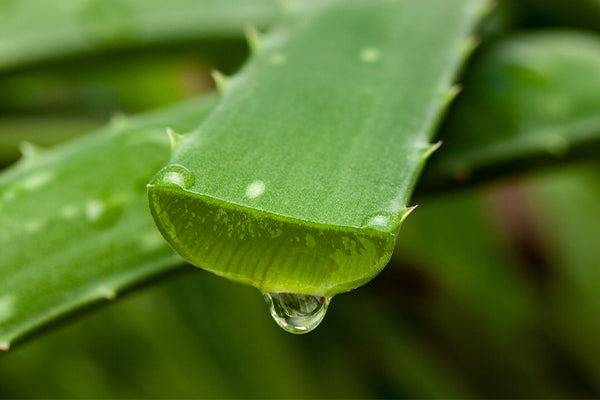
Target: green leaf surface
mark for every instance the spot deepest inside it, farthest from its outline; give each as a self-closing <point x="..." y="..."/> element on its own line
<point x="529" y="100"/>
<point x="32" y="30"/>
<point x="299" y="180"/>
<point x="75" y="222"/>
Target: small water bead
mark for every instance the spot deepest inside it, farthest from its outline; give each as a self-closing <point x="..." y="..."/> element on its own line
<point x="175" y="175"/>
<point x="295" y="312"/>
<point x="382" y="221"/>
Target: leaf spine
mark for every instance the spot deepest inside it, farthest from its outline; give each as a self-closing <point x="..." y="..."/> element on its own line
<point x="253" y="37"/>
<point x="432" y="148"/>
<point x="29" y="151"/>
<point x="174" y="138"/>
<point x="406" y="212"/>
<point x="220" y="80"/>
<point x="451" y="94"/>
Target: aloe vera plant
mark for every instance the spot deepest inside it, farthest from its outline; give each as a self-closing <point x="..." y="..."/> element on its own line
<point x="153" y="148"/>
<point x="535" y="97"/>
<point x="32" y="31"/>
<point x="303" y="124"/>
<point x="302" y="188"/>
<point x="112" y="242"/>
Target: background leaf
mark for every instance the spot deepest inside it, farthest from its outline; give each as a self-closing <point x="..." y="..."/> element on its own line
<point x="31" y="30"/>
<point x="62" y="253"/>
<point x="529" y="100"/>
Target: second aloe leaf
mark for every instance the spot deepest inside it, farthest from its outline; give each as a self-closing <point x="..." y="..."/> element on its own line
<point x="299" y="180"/>
<point x="530" y="100"/>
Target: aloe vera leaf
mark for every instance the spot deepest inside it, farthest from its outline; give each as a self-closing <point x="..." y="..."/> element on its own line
<point x="90" y="85"/>
<point x="529" y="100"/>
<point x="43" y="131"/>
<point x="192" y="117"/>
<point x="32" y="30"/>
<point x="75" y="223"/>
<point x="128" y="81"/>
<point x="299" y="180"/>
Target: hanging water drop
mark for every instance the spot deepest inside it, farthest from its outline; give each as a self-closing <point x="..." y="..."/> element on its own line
<point x="297" y="313"/>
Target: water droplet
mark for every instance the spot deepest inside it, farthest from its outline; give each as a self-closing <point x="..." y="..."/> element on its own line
<point x="382" y="221"/>
<point x="297" y="313"/>
<point x="174" y="175"/>
<point x="102" y="214"/>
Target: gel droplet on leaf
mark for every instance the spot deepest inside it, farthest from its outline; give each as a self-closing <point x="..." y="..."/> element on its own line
<point x="384" y="221"/>
<point x="297" y="313"/>
<point x="102" y="214"/>
<point x="175" y="175"/>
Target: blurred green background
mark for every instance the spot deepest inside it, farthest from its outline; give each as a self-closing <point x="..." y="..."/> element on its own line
<point x="492" y="291"/>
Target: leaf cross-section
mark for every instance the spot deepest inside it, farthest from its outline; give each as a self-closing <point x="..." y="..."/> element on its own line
<point x="299" y="179"/>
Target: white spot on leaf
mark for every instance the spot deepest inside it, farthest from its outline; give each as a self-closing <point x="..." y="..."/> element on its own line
<point x="255" y="189"/>
<point x="370" y="55"/>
